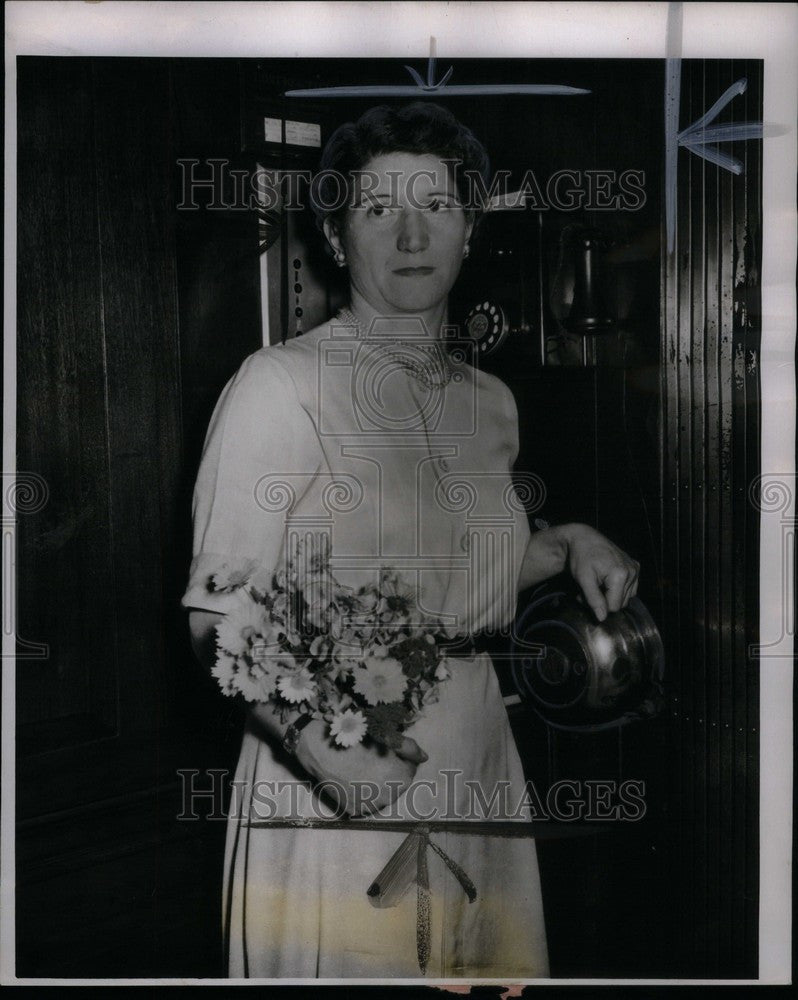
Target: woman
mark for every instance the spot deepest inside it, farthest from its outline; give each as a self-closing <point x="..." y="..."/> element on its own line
<point x="371" y="402"/>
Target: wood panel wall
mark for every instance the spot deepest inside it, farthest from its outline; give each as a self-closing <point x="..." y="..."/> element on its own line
<point x="710" y="554"/>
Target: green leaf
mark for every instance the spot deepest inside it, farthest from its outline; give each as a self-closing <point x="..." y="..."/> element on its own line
<point x="384" y="723"/>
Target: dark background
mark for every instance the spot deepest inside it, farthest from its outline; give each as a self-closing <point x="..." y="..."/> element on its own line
<point x="132" y="316"/>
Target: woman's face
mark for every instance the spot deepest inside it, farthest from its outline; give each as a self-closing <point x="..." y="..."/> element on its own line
<point x="405" y="235"/>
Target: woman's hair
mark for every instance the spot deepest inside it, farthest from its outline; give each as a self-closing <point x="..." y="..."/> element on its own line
<point x="420" y="127"/>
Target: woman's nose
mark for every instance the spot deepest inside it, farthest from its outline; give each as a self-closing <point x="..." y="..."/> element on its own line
<point x="413" y="234"/>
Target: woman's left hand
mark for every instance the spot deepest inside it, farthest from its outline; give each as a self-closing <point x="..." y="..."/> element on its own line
<point x="606" y="575"/>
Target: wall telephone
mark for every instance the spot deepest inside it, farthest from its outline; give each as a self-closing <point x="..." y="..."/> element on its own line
<point x="528" y="280"/>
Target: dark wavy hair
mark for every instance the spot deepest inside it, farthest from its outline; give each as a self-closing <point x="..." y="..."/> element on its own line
<point x="420" y="127"/>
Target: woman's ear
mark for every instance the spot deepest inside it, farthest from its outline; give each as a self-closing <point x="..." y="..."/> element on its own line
<point x="331" y="231"/>
<point x="469" y="229"/>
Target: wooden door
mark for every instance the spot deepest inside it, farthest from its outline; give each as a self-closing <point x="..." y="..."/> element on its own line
<point x="120" y="360"/>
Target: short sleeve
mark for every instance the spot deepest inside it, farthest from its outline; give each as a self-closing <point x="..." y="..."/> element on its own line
<point x="260" y="441"/>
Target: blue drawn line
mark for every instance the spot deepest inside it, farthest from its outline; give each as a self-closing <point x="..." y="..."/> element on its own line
<point x="715" y="156"/>
<point x="430" y="84"/>
<point x="430" y="87"/>
<point x="673" y="75"/>
<point x="673" y="86"/>
<point x="465" y="90"/>
<point x="723" y="133"/>
<point x="728" y="95"/>
<point x="699" y="138"/>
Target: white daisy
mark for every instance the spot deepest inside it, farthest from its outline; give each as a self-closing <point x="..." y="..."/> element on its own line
<point x="256" y="683"/>
<point x="267" y="651"/>
<point x="245" y="622"/>
<point x="224" y="670"/>
<point x="297" y="686"/>
<point x="380" y="680"/>
<point x="348" y="728"/>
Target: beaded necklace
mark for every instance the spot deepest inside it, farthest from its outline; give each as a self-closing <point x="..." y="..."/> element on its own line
<point x="433" y="371"/>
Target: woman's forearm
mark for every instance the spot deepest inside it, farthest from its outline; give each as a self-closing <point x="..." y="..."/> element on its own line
<point x="549" y="550"/>
<point x="389" y="773"/>
<point x="605" y="574"/>
<point x="546" y="554"/>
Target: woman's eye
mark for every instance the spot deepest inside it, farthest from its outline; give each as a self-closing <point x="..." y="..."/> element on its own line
<point x="439" y="205"/>
<point x="378" y="211"/>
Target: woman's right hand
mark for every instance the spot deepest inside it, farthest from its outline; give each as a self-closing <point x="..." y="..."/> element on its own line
<point x="361" y="779"/>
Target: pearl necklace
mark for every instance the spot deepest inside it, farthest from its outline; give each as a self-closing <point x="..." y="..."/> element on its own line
<point x="424" y="371"/>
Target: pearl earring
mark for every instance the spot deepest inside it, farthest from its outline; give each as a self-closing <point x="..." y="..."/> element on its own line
<point x="340" y="259"/>
<point x="466" y="250"/>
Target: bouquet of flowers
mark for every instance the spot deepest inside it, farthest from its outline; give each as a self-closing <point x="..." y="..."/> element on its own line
<point x="364" y="660"/>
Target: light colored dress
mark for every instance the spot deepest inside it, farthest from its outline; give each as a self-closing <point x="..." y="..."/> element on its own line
<point x="328" y="433"/>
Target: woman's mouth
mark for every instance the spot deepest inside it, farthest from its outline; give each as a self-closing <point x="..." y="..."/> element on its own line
<point x="414" y="271"/>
